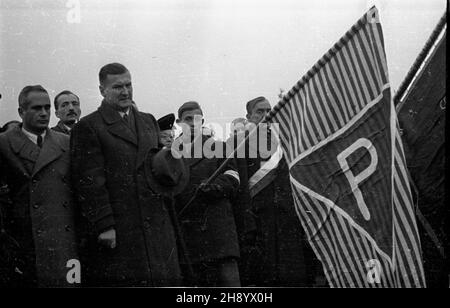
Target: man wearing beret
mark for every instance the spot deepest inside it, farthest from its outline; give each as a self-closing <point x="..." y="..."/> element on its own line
<point x="131" y="239"/>
<point x="204" y="209"/>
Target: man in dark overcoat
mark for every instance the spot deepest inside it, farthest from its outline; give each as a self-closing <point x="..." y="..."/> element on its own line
<point x="131" y="241"/>
<point x="281" y="255"/>
<point x="67" y="110"/>
<point x="206" y="218"/>
<point x="40" y="216"/>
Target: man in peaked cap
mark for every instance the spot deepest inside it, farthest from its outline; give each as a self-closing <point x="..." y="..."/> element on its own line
<point x="166" y="133"/>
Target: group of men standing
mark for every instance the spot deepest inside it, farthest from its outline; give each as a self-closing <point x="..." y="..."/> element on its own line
<point x="101" y="201"/>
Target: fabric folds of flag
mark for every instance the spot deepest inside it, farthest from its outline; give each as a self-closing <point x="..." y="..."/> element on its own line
<point x="339" y="134"/>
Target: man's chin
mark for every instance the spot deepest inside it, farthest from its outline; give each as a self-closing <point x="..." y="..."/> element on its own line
<point x="40" y="127"/>
<point x="125" y="102"/>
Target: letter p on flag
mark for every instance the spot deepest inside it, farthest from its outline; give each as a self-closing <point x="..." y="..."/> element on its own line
<point x="355" y="180"/>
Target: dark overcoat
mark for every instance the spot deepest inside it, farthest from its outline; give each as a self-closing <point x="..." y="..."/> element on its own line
<point x="41" y="214"/>
<point x="110" y="182"/>
<point x="280" y="240"/>
<point x="276" y="249"/>
<point x="208" y="225"/>
<point x="60" y="128"/>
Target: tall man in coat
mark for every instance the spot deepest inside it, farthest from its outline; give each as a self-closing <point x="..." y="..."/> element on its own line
<point x="67" y="110"/>
<point x="40" y="217"/>
<point x="131" y="241"/>
<point x="206" y="218"/>
<point x="282" y="256"/>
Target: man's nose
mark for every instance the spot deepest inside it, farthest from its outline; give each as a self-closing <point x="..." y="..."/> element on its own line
<point x="44" y="113"/>
<point x="71" y="107"/>
<point x="125" y="91"/>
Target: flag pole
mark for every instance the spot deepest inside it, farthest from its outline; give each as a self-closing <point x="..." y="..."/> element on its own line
<point x="401" y="91"/>
<point x="222" y="166"/>
<point x="299" y="85"/>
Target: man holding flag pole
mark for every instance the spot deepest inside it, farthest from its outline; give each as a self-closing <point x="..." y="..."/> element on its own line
<point x="339" y="135"/>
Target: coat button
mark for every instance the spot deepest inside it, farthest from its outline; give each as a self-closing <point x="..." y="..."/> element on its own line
<point x="38" y="231"/>
<point x="34" y="181"/>
<point x="68" y="228"/>
<point x="146" y="224"/>
<point x="36" y="205"/>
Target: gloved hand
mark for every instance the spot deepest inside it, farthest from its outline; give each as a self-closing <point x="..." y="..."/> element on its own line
<point x="211" y="191"/>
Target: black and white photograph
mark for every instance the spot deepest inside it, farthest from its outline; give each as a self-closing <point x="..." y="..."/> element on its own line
<point x="223" y="149"/>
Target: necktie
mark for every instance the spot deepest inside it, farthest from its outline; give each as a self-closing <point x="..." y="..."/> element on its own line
<point x="125" y="118"/>
<point x="39" y="141"/>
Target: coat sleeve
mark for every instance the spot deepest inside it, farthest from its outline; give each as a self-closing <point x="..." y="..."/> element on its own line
<point x="229" y="178"/>
<point x="244" y="217"/>
<point x="88" y="177"/>
<point x="3" y="196"/>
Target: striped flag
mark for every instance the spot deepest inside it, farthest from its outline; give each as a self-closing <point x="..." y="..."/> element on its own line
<point x="339" y="134"/>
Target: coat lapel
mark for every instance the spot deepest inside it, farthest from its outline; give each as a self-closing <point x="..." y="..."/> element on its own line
<point x="63" y="128"/>
<point x="116" y="125"/>
<point x="23" y="147"/>
<point x="147" y="138"/>
<point x="193" y="161"/>
<point x="51" y="150"/>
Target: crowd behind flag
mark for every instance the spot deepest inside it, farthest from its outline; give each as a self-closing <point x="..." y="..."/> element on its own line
<point x="421" y="109"/>
<point x="339" y="134"/>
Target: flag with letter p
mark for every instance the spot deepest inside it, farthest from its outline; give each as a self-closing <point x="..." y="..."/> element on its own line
<point x="338" y="131"/>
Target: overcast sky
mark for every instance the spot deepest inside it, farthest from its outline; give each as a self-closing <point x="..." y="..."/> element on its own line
<point x="220" y="53"/>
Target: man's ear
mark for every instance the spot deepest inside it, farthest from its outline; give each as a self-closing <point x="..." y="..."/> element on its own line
<point x="102" y="90"/>
<point x="177" y="121"/>
<point x="20" y="111"/>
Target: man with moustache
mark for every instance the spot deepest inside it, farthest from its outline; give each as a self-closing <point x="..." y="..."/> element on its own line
<point x="39" y="215"/>
<point x="67" y="110"/>
<point x="281" y="255"/>
<point x="131" y="240"/>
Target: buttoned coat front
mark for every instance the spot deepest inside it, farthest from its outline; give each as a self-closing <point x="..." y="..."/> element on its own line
<point x="112" y="190"/>
<point x="41" y="215"/>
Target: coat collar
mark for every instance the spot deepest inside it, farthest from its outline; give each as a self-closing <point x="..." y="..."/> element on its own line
<point x="193" y="161"/>
<point x="116" y="125"/>
<point x="63" y="127"/>
<point x="26" y="149"/>
<point x="51" y="150"/>
<point x="21" y="145"/>
<point x="146" y="137"/>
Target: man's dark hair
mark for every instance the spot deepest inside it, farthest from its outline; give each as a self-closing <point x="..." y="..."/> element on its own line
<point x="252" y="103"/>
<point x="111" y="69"/>
<point x="23" y="95"/>
<point x="188" y="106"/>
<point x="65" y="92"/>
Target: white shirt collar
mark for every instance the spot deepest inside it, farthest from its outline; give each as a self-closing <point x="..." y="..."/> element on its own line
<point x="32" y="136"/>
<point x="123" y="113"/>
